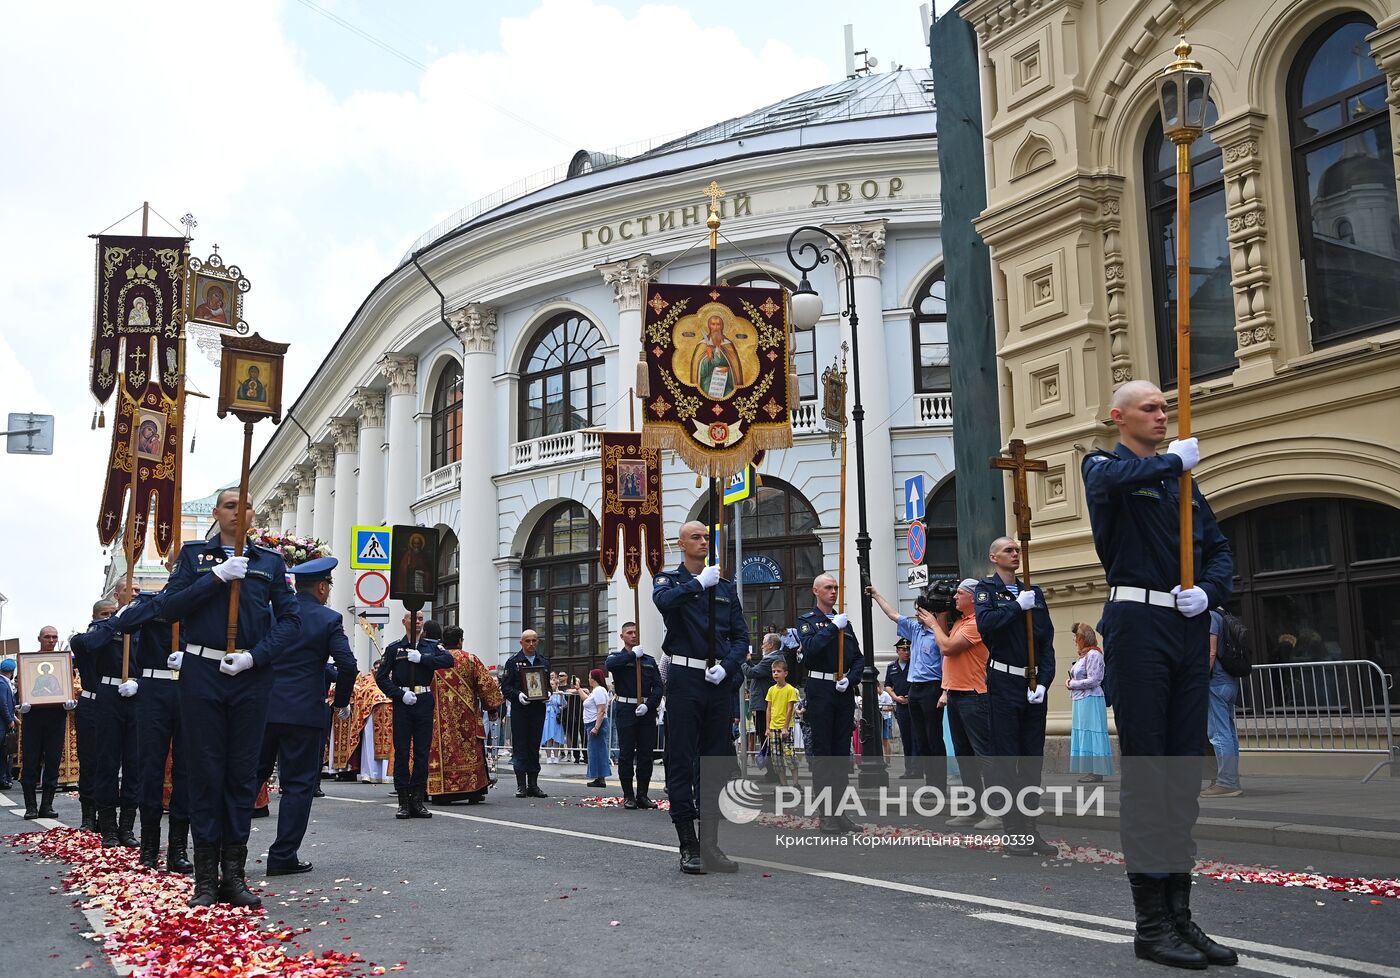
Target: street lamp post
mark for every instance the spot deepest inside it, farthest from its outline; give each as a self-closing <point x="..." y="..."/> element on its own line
<point x="806" y="310"/>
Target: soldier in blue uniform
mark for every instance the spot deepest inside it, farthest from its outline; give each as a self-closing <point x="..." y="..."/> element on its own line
<point x="405" y="675"/>
<point x="1157" y="656"/>
<point x="831" y="696"/>
<point x="1015" y="712"/>
<point x="526" y="716"/>
<point x="634" y="716"/>
<point x="297" y="710"/>
<point x="83" y="719"/>
<point x="699" y="698"/>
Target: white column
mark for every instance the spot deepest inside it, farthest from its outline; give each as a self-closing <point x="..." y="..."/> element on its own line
<point x="866" y="244"/>
<point x="323" y="515"/>
<point x="401" y="481"/>
<point x="369" y="501"/>
<point x="306" y="488"/>
<point x="346" y="432"/>
<point x="629" y="279"/>
<point x="478" y="602"/>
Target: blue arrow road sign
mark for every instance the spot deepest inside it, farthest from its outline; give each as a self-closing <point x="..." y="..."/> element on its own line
<point x="914" y="498"/>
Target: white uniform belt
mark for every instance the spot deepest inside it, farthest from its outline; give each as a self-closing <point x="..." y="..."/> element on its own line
<point x="828" y="676"/>
<point x="1142" y="595"/>
<point x="1003" y="667"/>
<point x="111" y="680"/>
<point x="415" y="690"/>
<point x="205" y="651"/>
<point x="689" y="663"/>
<point x="628" y="699"/>
<point x="88" y="694"/>
<point x="157" y="674"/>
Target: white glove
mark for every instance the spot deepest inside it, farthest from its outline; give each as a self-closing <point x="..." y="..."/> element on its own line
<point x="70" y="705"/>
<point x="1036" y="695"/>
<point x="236" y="662"/>
<point x="841" y="621"/>
<point x="1026" y="600"/>
<point x="789" y="639"/>
<point x="343" y="713"/>
<point x="414" y="656"/>
<point x="25" y="707"/>
<point x="524" y="700"/>
<point x="708" y="576"/>
<point x="127" y="688"/>
<point x="233" y="569"/>
<point x="1190" y="602"/>
<point x="843" y="684"/>
<point x="638" y="652"/>
<point x="715" y="674"/>
<point x="642" y="710"/>
<point x="1189" y="451"/>
<point x="175" y="660"/>
<point x="409" y="697"/>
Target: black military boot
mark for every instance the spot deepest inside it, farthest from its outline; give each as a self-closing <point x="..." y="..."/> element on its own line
<point x="418" y="809"/>
<point x="405" y="805"/>
<point x="642" y="800"/>
<point x="125" y="824"/>
<point x="691" y="861"/>
<point x="1179" y="910"/>
<point x="150" y="843"/>
<point x="520" y="790"/>
<point x="715" y="860"/>
<point x="233" y="888"/>
<point x="1156" y="939"/>
<point x="533" y="790"/>
<point x="206" y="877"/>
<point x="31" y="801"/>
<point x="46" y="803"/>
<point x="177" y="858"/>
<point x="629" y="798"/>
<point x="107" y="825"/>
<point x="89" y="822"/>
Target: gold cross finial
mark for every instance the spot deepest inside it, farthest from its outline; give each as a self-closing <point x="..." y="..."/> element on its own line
<point x="714" y="193"/>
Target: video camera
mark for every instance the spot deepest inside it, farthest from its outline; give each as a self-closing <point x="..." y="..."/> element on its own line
<point x="938" y="596"/>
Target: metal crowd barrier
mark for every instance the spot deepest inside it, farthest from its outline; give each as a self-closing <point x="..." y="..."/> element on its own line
<point x="1319" y="707"/>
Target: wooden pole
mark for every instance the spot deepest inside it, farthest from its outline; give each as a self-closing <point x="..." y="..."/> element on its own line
<point x="636" y="598"/>
<point x="841" y="567"/>
<point x="240" y="541"/>
<point x="1030" y="615"/>
<point x="1183" y="351"/>
<point x="129" y="537"/>
<point x="178" y="542"/>
<point x="1018" y="464"/>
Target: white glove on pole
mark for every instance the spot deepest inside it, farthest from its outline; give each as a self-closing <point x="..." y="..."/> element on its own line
<point x="233" y="569"/>
<point x="1026" y="599"/>
<point x="841" y="621"/>
<point x="409" y="697"/>
<point x="638" y="652"/>
<point x="1190" y="602"/>
<point x="524" y="700"/>
<point x="343" y="713"/>
<point x="414" y="656"/>
<point x="25" y="707"/>
<point x="1188" y="450"/>
<point x="235" y="663"/>
<point x="715" y="674"/>
<point x="708" y="576"/>
<point x="1036" y="695"/>
<point x="175" y="660"/>
<point x="843" y="684"/>
<point x="70" y="705"/>
<point x="642" y="710"/>
<point x="127" y="688"/>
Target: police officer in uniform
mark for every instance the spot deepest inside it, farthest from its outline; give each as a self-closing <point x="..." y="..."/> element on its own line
<point x="42" y="739"/>
<point x="634" y="716"/>
<point x="831" y="703"/>
<point x="83" y="718"/>
<point x="897" y="682"/>
<point x="526" y="716"/>
<point x="699" y="697"/>
<point x="1157" y="656"/>
<point x="1015" y="712"/>
<point x="405" y="675"/>
<point x="297" y="710"/>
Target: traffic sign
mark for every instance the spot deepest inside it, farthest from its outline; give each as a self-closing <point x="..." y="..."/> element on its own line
<point x="375" y="616"/>
<point x="918" y="542"/>
<point x="29" y="434"/>
<point x="370" y="549"/>
<point x="918" y="577"/>
<point x="739" y="486"/>
<point x="371" y="588"/>
<point x="914" y="498"/>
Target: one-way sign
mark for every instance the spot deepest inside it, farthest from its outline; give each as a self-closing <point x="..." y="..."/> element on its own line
<point x="914" y="498"/>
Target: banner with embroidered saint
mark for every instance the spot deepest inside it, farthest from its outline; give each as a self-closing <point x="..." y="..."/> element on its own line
<point x="140" y="299"/>
<point x="631" y="507"/>
<point x="145" y="446"/>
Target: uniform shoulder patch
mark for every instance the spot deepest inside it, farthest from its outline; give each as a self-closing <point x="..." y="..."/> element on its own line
<point x="806" y="629"/>
<point x="983" y="597"/>
<point x="661" y="579"/>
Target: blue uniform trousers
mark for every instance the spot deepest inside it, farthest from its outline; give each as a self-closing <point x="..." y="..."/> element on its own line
<point x="526" y="731"/>
<point x="1156" y="676"/>
<point x="222" y="719"/>
<point x="636" y="746"/>
<point x="831" y="717"/>
<point x="42" y="745"/>
<point x="413" y="729"/>
<point x="296" y="750"/>
<point x="158" y="737"/>
<point x="905" y="723"/>
<point x="114" y="731"/>
<point x="1016" y="731"/>
<point x="87" y="746"/>
<point x="698" y="725"/>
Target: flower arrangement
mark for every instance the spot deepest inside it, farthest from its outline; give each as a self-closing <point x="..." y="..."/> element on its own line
<point x="294" y="549"/>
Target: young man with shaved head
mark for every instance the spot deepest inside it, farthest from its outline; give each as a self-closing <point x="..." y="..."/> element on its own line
<point x="1157" y="662"/>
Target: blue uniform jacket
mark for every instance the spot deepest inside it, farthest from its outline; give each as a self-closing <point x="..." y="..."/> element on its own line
<point x="395" y="671"/>
<point x="97" y="652"/>
<point x="1133" y="510"/>
<point x="299" y="672"/>
<point x="622" y="665"/>
<point x="7" y="704"/>
<point x="1003" y="626"/>
<point x="100" y="648"/>
<point x="817" y="635"/>
<point x="685" y="608"/>
<point x="510" y="678"/>
<point x="897" y="679"/>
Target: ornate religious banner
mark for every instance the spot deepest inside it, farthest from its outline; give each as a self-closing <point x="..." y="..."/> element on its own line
<point x="146" y="441"/>
<point x="718" y="382"/>
<point x="140" y="296"/>
<point x="631" y="505"/>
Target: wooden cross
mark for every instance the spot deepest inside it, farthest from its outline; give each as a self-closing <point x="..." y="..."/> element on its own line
<point x="1018" y="464"/>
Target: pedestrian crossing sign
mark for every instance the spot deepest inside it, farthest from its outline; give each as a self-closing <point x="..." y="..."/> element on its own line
<point x="739" y="486"/>
<point x="370" y="550"/>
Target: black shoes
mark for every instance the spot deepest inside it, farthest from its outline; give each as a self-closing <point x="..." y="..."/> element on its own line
<point x="89" y="822"/>
<point x="837" y="825"/>
<point x="150" y="844"/>
<point x="46" y="805"/>
<point x="597" y="783"/>
<point x="629" y="802"/>
<point x="714" y="859"/>
<point x="533" y="788"/>
<point x="107" y="825"/>
<point x="416" y="806"/>
<point x="287" y="869"/>
<point x="31" y="801"/>
<point x="233" y="888"/>
<point x="206" y="877"/>
<point x="1179" y="911"/>
<point x="125" y="824"/>
<point x="644" y="802"/>
<point x="1156" y="938"/>
<point x="177" y="858"/>
<point x="405" y="805"/>
<point x="261" y="812"/>
<point x="691" y="861"/>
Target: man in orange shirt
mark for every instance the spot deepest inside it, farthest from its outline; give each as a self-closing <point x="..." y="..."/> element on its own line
<point x="965" y="695"/>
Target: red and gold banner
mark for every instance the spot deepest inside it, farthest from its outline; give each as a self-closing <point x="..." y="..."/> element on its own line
<point x="631" y="505"/>
<point x="717" y="380"/>
<point x="140" y="298"/>
<point x="146" y="440"/>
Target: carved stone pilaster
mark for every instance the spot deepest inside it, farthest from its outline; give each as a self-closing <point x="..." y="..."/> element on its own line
<point x="401" y="370"/>
<point x="866" y="244"/>
<point x="369" y="401"/>
<point x="1385" y="48"/>
<point x="475" y="326"/>
<point x="346" y="433"/>
<point x="306" y="481"/>
<point x="1108" y="191"/>
<point x="323" y="461"/>
<point x="629" y="279"/>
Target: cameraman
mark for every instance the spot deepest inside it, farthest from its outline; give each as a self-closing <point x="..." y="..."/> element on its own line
<point x="965" y="693"/>
<point x="925" y="682"/>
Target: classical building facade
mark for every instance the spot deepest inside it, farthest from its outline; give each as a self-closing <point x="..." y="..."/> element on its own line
<point x="1295" y="287"/>
<point x="477" y="414"/>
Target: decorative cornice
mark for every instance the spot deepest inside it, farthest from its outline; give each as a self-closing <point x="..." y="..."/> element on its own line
<point x="475" y="325"/>
<point x="369" y="401"/>
<point x="865" y="242"/>
<point x="401" y="370"/>
<point x="346" y="432"/>
<point x="306" y="481"/>
<point x="628" y="278"/>
<point x="323" y="460"/>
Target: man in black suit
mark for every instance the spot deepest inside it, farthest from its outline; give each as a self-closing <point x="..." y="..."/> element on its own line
<point x="526" y="716"/>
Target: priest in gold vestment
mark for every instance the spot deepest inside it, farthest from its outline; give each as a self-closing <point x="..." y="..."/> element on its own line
<point x="457" y="761"/>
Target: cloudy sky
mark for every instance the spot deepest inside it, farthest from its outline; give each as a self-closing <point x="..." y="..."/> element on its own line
<point x="314" y="140"/>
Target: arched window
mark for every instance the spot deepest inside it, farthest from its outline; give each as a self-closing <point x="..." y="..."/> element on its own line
<point x="563" y="384"/>
<point x="445" y="600"/>
<point x="941" y="520"/>
<point x="804" y="350"/>
<point x="1344" y="178"/>
<point x="447" y="417"/>
<point x="1212" y="297"/>
<point x="566" y="598"/>
<point x="930" y="333"/>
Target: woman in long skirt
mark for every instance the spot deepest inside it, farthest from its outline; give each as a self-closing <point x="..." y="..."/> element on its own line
<point x="595" y="723"/>
<point x="1090" y="752"/>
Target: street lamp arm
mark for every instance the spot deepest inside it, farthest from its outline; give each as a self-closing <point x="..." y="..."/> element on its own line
<point x="821" y="255"/>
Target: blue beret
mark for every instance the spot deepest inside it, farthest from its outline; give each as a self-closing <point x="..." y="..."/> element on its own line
<point x="314" y="570"/>
<point x="7" y="665"/>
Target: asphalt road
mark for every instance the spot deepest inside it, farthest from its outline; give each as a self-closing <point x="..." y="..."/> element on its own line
<point x="513" y="887"/>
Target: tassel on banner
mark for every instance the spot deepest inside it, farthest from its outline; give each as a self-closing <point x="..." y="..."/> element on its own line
<point x="643" y="381"/>
<point x="794" y="391"/>
<point x="101" y="418"/>
<point x="94" y="419"/>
